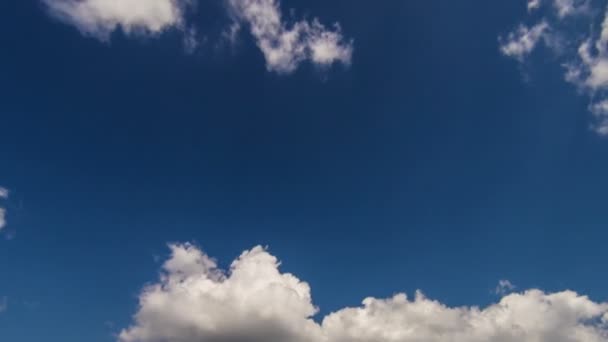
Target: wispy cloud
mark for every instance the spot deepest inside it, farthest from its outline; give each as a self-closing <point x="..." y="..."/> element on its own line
<point x="504" y="286"/>
<point x="583" y="54"/>
<point x="3" y="196"/>
<point x="284" y="44"/>
<point x="254" y="301"/>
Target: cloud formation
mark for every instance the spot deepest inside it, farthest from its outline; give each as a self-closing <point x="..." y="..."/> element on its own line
<point x="3" y="196"/>
<point x="255" y="302"/>
<point x="284" y="45"/>
<point x="584" y="55"/>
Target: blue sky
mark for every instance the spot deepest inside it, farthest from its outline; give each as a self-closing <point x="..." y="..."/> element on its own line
<point x="372" y="150"/>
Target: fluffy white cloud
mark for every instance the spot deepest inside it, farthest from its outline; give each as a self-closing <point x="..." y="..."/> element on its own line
<point x="285" y="45"/>
<point x="99" y="18"/>
<point x="3" y="195"/>
<point x="254" y="301"/>
<point x="519" y="43"/>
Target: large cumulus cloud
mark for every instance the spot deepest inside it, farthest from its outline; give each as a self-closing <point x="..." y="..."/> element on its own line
<point x="254" y="301"/>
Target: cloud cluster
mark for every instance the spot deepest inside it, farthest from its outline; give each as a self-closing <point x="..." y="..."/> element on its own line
<point x="3" y="196"/>
<point x="284" y="45"/>
<point x="584" y="55"/>
<point x="255" y="302"/>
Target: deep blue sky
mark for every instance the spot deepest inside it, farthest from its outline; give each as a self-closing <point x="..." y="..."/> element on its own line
<point x="432" y="162"/>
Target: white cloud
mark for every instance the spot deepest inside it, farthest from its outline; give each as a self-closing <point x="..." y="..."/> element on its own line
<point x="584" y="55"/>
<point x="533" y="4"/>
<point x="285" y="45"/>
<point x="256" y="302"/>
<point x="99" y="18"/>
<point x="3" y="195"/>
<point x="519" y="43"/>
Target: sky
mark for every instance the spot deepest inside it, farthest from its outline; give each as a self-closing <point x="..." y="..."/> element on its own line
<point x="303" y="171"/>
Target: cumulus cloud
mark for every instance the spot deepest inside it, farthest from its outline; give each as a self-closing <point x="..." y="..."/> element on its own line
<point x="285" y="45"/>
<point x="3" y="304"/>
<point x="584" y="55"/>
<point x="255" y="302"/>
<point x="99" y="18"/>
<point x="3" y="196"/>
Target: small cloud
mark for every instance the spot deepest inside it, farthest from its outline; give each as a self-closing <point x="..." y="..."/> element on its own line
<point x="504" y="287"/>
<point x="285" y="45"/>
<point x="533" y="4"/>
<point x="3" y="196"/>
<point x="519" y="43"/>
<point x="100" y="18"/>
<point x="3" y="304"/>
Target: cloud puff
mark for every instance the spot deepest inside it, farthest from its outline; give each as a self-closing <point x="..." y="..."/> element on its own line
<point x="285" y="46"/>
<point x="583" y="54"/>
<point x="99" y="18"/>
<point x="255" y="302"/>
<point x="3" y="196"/>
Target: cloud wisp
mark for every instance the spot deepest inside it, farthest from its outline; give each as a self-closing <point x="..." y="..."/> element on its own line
<point x="254" y="302"/>
<point x="3" y="196"/>
<point x="583" y="55"/>
<point x="284" y="44"/>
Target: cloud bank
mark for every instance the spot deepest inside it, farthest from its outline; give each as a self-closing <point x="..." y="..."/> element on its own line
<point x="583" y="54"/>
<point x="3" y="196"/>
<point x="255" y="302"/>
<point x="284" y="44"/>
